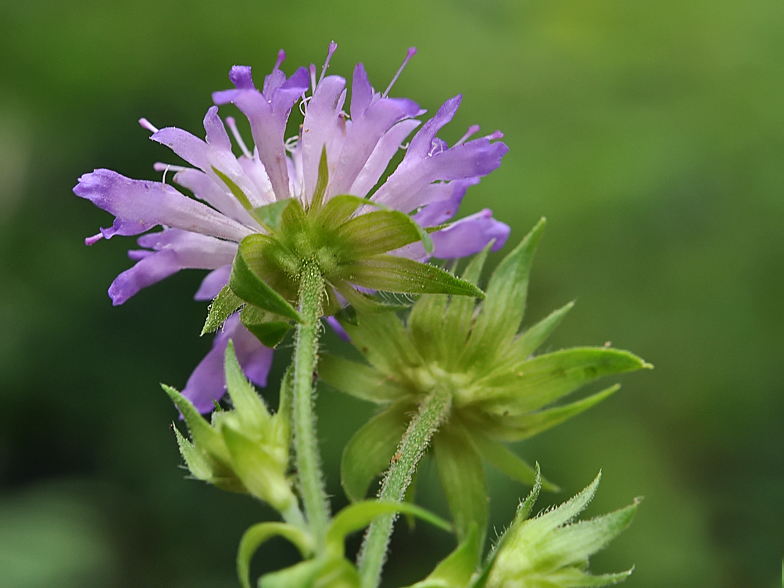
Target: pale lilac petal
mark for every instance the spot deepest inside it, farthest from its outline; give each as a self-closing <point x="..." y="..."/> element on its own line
<point x="174" y="250"/>
<point x="338" y="328"/>
<point x="322" y="123"/>
<point x="140" y="205"/>
<point x="216" y="195"/>
<point x="421" y="143"/>
<point x="363" y="137"/>
<point x="268" y="114"/>
<point x="469" y="236"/>
<point x="213" y="283"/>
<point x="216" y="131"/>
<point x="241" y="77"/>
<point x="207" y="383"/>
<point x="361" y="92"/>
<point x="442" y="201"/>
<point x="383" y="153"/>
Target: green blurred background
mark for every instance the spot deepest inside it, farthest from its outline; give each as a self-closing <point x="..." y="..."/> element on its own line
<point x="651" y="135"/>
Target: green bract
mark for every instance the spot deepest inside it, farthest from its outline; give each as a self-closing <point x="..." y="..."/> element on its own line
<point x="551" y="550"/>
<point x="347" y="241"/>
<point x="474" y="353"/>
<point x="242" y="450"/>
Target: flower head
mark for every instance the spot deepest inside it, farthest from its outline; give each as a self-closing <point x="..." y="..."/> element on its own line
<point x="315" y="195"/>
<point x="499" y="391"/>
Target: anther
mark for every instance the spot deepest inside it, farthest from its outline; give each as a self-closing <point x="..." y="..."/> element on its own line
<point x="409" y="54"/>
<point x="281" y="57"/>
<point x="471" y="130"/>
<point x="147" y="125"/>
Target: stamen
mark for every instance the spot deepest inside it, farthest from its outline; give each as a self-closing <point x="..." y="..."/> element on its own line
<point x="332" y="48"/>
<point x="237" y="137"/>
<point x="313" y="82"/>
<point x="291" y="143"/>
<point x="281" y="57"/>
<point x="471" y="130"/>
<point x="147" y="125"/>
<point x="164" y="167"/>
<point x="303" y="104"/>
<point x="495" y="135"/>
<point x="409" y="54"/>
<point x="93" y="240"/>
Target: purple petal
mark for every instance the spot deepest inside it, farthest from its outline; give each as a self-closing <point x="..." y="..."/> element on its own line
<point x="444" y="200"/>
<point x="322" y="123"/>
<point x="174" y="250"/>
<point x="216" y="131"/>
<point x="469" y="236"/>
<point x="216" y="195"/>
<point x="361" y="92"/>
<point x="421" y="143"/>
<point x="139" y="205"/>
<point x="364" y="135"/>
<point x="213" y="283"/>
<point x="207" y="383"/>
<point x="240" y="76"/>
<point x="383" y="153"/>
<point x="338" y="328"/>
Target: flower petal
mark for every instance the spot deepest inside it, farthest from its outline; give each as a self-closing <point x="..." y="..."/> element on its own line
<point x="442" y="200"/>
<point x="140" y="205"/>
<point x="213" y="283"/>
<point x="207" y="383"/>
<point x="207" y="189"/>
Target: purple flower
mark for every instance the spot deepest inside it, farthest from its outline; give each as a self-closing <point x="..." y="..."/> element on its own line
<point x="204" y="232"/>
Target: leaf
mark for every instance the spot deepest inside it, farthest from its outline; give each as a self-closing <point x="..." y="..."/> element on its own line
<point x="263" y="325"/>
<point x="456" y="569"/>
<point x="301" y="575"/>
<point x="379" y="231"/>
<point x="235" y="189"/>
<point x="321" y="182"/>
<point x="530" y="340"/>
<point x="502" y="458"/>
<point x="222" y="307"/>
<point x="270" y="215"/>
<point x="194" y="459"/>
<point x="504" y="306"/>
<point x="517" y="428"/>
<point x="546" y="378"/>
<point x="366" y="303"/>
<point x="426" y="325"/>
<point x="250" y="408"/>
<point x="370" y="450"/>
<point x="340" y="208"/>
<point x="384" y="342"/>
<point x="204" y="436"/>
<point x="463" y="480"/>
<point x="360" y="514"/>
<point x="248" y="286"/>
<point x="398" y="274"/>
<point x="258" y="534"/>
<point x="358" y="380"/>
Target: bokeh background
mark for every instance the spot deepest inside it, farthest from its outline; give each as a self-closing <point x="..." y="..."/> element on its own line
<point x="650" y="134"/>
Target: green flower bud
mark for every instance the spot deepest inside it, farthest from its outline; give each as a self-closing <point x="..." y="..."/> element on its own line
<point x="242" y="450"/>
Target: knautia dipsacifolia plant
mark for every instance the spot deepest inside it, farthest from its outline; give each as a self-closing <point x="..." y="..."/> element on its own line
<point x="297" y="230"/>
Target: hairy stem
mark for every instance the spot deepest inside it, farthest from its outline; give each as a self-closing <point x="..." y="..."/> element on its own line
<point x="305" y="439"/>
<point x="432" y="412"/>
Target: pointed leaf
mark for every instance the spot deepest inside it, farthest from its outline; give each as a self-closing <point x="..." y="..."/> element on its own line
<point x="499" y="456"/>
<point x="360" y="514"/>
<point x="530" y="340"/>
<point x="301" y="575"/>
<point x="360" y="381"/>
<point x="563" y="513"/>
<point x="380" y="231"/>
<point x="456" y="569"/>
<point x="251" y="288"/>
<point x="370" y="450"/>
<point x="426" y="324"/>
<point x="222" y="307"/>
<point x="204" y="436"/>
<point x="576" y="577"/>
<point x="527" y="505"/>
<point x="517" y="428"/>
<point x="504" y="306"/>
<point x="321" y="182"/>
<point x="234" y="188"/>
<point x="340" y="208"/>
<point x="250" y="408"/>
<point x="263" y="325"/>
<point x="463" y="480"/>
<point x="258" y="534"/>
<point x="194" y="459"/>
<point x="546" y="378"/>
<point x="398" y="274"/>
<point x="384" y="342"/>
<point x="366" y="303"/>
<point x="270" y="215"/>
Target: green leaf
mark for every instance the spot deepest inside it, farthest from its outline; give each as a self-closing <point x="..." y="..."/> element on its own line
<point x="463" y="480"/>
<point x="250" y="408"/>
<point x="360" y="514"/>
<point x="370" y="450"/>
<point x="398" y="274"/>
<point x="575" y="577"/>
<point x="258" y="534"/>
<point x="503" y="309"/>
<point x="263" y="325"/>
<point x="456" y="569"/>
<point x="562" y="514"/>
<point x="384" y="342"/>
<point x="339" y="209"/>
<point x="502" y="458"/>
<point x="197" y="464"/>
<point x="301" y="575"/>
<point x="204" y="436"/>
<point x="530" y="340"/>
<point x="321" y="183"/>
<point x="426" y="324"/>
<point x="366" y="303"/>
<point x="251" y="288"/>
<point x="546" y="378"/>
<point x="222" y="307"/>
<point x="517" y="428"/>
<point x="358" y="380"/>
<point x="380" y="231"/>
<point x="270" y="215"/>
<point x="235" y="189"/>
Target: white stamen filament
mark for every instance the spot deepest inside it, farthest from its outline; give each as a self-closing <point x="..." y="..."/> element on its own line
<point x="313" y="83"/>
<point x="147" y="125"/>
<point x="237" y="137"/>
<point x="409" y="54"/>
<point x="291" y="143"/>
<point x="164" y="167"/>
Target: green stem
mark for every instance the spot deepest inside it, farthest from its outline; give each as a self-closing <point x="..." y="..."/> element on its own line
<point x="432" y="412"/>
<point x="305" y="439"/>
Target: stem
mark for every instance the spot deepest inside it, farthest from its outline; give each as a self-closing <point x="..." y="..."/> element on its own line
<point x="305" y="439"/>
<point x="432" y="412"/>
